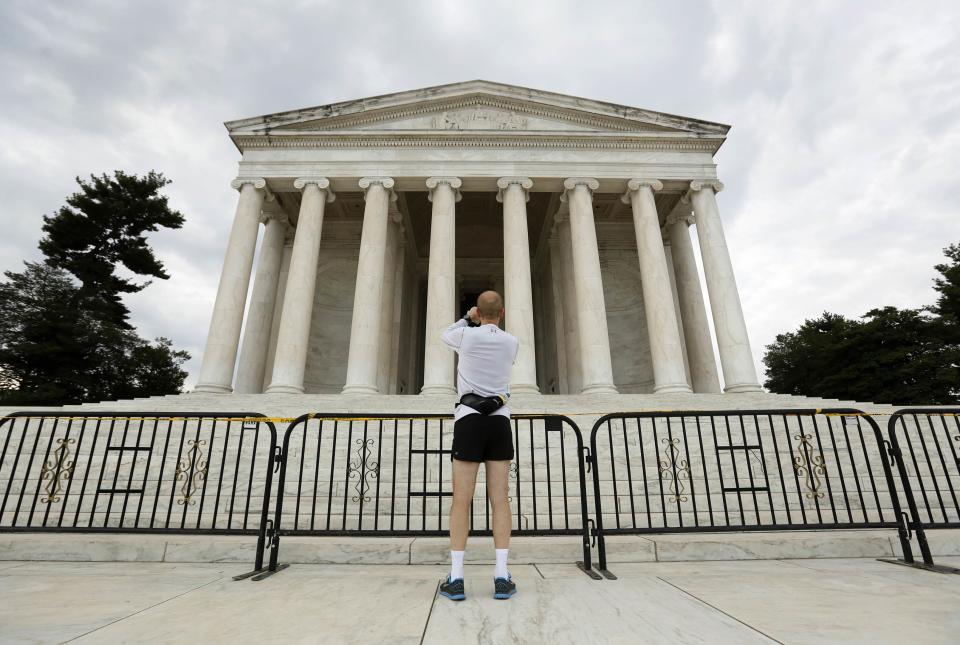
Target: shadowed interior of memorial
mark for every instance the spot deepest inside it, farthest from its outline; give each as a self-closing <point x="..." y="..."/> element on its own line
<point x="479" y="266"/>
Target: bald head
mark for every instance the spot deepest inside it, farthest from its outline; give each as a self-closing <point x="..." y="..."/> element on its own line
<point x="490" y="305"/>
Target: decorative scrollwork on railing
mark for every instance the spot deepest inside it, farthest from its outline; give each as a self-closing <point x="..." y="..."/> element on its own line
<point x="191" y="470"/>
<point x="363" y="468"/>
<point x="57" y="470"/>
<point x="674" y="470"/>
<point x="809" y="466"/>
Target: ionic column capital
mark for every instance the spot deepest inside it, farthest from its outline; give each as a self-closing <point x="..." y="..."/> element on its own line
<point x="525" y="184"/>
<point x="386" y="182"/>
<point x="572" y="182"/>
<point x="280" y="216"/>
<point x="257" y="182"/>
<point x="320" y="182"/>
<point x="698" y="185"/>
<point x="678" y="216"/>
<point x="453" y="182"/>
<point x="634" y="185"/>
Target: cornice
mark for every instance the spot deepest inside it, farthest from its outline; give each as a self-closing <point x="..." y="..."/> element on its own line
<point x="416" y="98"/>
<point x="459" y="139"/>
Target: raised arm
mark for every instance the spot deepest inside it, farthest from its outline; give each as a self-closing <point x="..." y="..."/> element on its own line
<point x="453" y="335"/>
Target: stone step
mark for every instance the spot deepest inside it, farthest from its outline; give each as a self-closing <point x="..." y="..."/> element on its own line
<point x="87" y="547"/>
<point x="583" y="406"/>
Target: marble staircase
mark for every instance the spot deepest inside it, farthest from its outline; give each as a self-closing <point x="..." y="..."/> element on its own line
<point x="578" y="407"/>
<point x="583" y="410"/>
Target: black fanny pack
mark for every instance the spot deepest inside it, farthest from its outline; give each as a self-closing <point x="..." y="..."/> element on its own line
<point x="485" y="405"/>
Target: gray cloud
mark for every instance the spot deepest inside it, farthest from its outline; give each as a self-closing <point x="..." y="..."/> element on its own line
<point x="840" y="168"/>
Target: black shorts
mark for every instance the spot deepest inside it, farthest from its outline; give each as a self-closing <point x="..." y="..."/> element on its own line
<point x="482" y="438"/>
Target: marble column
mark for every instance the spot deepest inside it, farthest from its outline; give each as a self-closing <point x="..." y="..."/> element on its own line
<point x="693" y="313"/>
<point x="390" y="286"/>
<point x="438" y="373"/>
<point x="571" y="323"/>
<point x="364" y="353"/>
<point x="401" y="295"/>
<point x="595" y="363"/>
<point x="417" y="322"/>
<point x="256" y="334"/>
<point x="559" y="313"/>
<point x="666" y="352"/>
<point x="518" y="290"/>
<point x="220" y="353"/>
<point x="291" y="358"/>
<point x="736" y="360"/>
<point x="278" y="308"/>
<point x="676" y="301"/>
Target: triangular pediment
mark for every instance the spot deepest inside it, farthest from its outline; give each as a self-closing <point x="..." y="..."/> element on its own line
<point x="476" y="112"/>
<point x="474" y="106"/>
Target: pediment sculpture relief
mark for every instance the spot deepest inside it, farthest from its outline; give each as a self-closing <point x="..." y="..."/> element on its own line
<point x="478" y="119"/>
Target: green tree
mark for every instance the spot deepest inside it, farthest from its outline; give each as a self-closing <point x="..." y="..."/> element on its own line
<point x="947" y="286"/>
<point x="52" y="353"/>
<point x="64" y="336"/>
<point x="890" y="355"/>
<point x="41" y="337"/>
<point x="100" y="229"/>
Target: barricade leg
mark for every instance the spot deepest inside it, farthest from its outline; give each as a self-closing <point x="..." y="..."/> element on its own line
<point x="913" y="523"/>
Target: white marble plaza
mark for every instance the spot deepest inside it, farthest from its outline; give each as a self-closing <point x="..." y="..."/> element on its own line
<point x="786" y="601"/>
<point x="384" y="217"/>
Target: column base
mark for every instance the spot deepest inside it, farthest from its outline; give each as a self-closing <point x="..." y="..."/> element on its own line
<point x="524" y="388"/>
<point x="708" y="390"/>
<point x="213" y="388"/>
<point x="739" y="388"/>
<point x="672" y="388"/>
<point x="285" y="389"/>
<point x="599" y="388"/>
<point x="359" y="389"/>
<point x="437" y="389"/>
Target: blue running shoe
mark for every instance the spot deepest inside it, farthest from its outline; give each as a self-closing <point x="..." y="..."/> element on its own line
<point x="503" y="588"/>
<point x="452" y="589"/>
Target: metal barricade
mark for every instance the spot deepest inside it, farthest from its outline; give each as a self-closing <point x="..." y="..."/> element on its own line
<point x="926" y="446"/>
<point x="389" y="475"/>
<point x="741" y="470"/>
<point x="110" y="472"/>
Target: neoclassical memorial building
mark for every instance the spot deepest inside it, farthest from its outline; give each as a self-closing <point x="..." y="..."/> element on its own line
<point x="383" y="218"/>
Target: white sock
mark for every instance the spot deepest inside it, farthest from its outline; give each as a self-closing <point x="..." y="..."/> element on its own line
<point x="501" y="570"/>
<point x="456" y="565"/>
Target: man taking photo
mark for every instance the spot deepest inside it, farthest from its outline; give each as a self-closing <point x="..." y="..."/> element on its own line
<point x="481" y="433"/>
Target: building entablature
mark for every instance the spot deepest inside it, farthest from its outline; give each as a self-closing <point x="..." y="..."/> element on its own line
<point x="479" y="131"/>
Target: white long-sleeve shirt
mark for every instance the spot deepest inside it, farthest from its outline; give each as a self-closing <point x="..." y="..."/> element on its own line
<point x="487" y="354"/>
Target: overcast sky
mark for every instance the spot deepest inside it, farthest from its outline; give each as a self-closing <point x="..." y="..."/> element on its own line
<point x="842" y="168"/>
